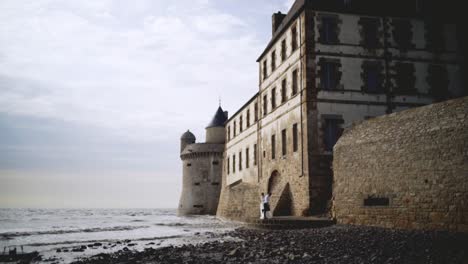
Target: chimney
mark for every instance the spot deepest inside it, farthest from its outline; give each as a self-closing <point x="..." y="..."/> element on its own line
<point x="276" y="20"/>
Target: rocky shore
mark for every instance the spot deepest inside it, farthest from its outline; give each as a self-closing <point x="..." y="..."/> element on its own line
<point x="335" y="244"/>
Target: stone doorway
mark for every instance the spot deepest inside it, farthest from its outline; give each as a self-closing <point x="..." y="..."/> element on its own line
<point x="280" y="201"/>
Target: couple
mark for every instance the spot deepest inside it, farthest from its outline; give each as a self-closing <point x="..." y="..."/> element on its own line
<point x="265" y="205"/>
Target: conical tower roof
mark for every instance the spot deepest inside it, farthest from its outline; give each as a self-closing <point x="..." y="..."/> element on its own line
<point x="219" y="119"/>
<point x="188" y="135"/>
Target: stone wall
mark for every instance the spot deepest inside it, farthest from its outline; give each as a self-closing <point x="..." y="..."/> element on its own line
<point x="239" y="202"/>
<point x="405" y="170"/>
<point x="201" y="184"/>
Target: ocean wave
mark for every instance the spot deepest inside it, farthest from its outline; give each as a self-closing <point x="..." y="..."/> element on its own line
<point x="171" y="224"/>
<point x="9" y="235"/>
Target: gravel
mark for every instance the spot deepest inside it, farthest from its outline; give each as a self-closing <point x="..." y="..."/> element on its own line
<point x="335" y="244"/>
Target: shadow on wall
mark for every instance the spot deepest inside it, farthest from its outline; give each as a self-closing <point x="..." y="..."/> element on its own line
<point x="280" y="195"/>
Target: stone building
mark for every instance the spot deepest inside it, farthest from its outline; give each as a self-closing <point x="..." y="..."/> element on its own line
<point x="405" y="170"/>
<point x="202" y="168"/>
<point x="329" y="63"/>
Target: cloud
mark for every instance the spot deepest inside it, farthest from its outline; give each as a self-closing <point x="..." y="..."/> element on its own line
<point x="109" y="85"/>
<point x="82" y="55"/>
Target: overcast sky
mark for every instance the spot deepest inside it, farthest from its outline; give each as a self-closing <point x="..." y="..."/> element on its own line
<point x="94" y="94"/>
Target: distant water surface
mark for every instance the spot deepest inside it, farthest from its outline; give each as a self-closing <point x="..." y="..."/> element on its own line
<point x="46" y="230"/>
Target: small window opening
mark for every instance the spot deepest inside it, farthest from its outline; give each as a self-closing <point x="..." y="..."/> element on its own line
<point x="376" y="201"/>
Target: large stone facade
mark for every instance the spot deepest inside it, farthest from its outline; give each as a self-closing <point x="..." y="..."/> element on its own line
<point x="405" y="170"/>
<point x="328" y="65"/>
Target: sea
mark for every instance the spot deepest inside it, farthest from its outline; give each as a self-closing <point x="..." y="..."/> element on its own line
<point x="55" y="233"/>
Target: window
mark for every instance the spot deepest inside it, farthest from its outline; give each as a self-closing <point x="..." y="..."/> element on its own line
<point x="283" y="50"/>
<point x="234" y="128"/>
<point x="402" y="33"/>
<point x="295" y="137"/>
<point x="228" y="166"/>
<point x="196" y="183"/>
<point x="255" y="112"/>
<point x="265" y="105"/>
<point x="265" y="69"/>
<point x="229" y="133"/>
<point x="372" y="77"/>
<point x="247" y="158"/>
<point x="405" y="79"/>
<point x="370" y="29"/>
<point x="215" y="162"/>
<point x="273" y="60"/>
<point x="435" y="36"/>
<point x="273" y="147"/>
<point x="189" y="164"/>
<point x="438" y="82"/>
<point x="332" y="133"/>
<point x="248" y="118"/>
<point x="293" y="38"/>
<point x="329" y="31"/>
<point x="283" y="142"/>
<point x="240" y="160"/>
<point x="329" y="75"/>
<point x="233" y="163"/>
<point x="241" y="123"/>
<point x="273" y="98"/>
<point x="255" y="154"/>
<point x="294" y="82"/>
<point x="283" y="91"/>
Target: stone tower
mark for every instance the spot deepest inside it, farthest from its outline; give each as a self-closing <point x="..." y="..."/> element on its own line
<point x="202" y="168"/>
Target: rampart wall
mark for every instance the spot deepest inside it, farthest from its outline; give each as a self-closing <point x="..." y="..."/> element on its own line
<point x="405" y="170"/>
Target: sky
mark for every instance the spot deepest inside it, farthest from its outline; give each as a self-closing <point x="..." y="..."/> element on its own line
<point x="95" y="94"/>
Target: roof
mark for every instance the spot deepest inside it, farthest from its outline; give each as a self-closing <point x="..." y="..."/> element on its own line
<point x="188" y="135"/>
<point x="203" y="148"/>
<point x="242" y="108"/>
<point x="219" y="119"/>
<point x="392" y="8"/>
<point x="295" y="10"/>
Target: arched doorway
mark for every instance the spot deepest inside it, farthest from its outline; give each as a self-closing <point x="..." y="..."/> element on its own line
<point x="274" y="183"/>
<point x="280" y="195"/>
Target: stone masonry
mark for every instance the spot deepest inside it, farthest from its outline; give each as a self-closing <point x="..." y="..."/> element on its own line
<point x="405" y="170"/>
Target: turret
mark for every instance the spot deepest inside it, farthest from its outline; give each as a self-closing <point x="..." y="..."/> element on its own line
<point x="186" y="139"/>
<point x="215" y="131"/>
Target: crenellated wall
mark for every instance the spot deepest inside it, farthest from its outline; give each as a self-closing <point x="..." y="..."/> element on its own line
<point x="405" y="170"/>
